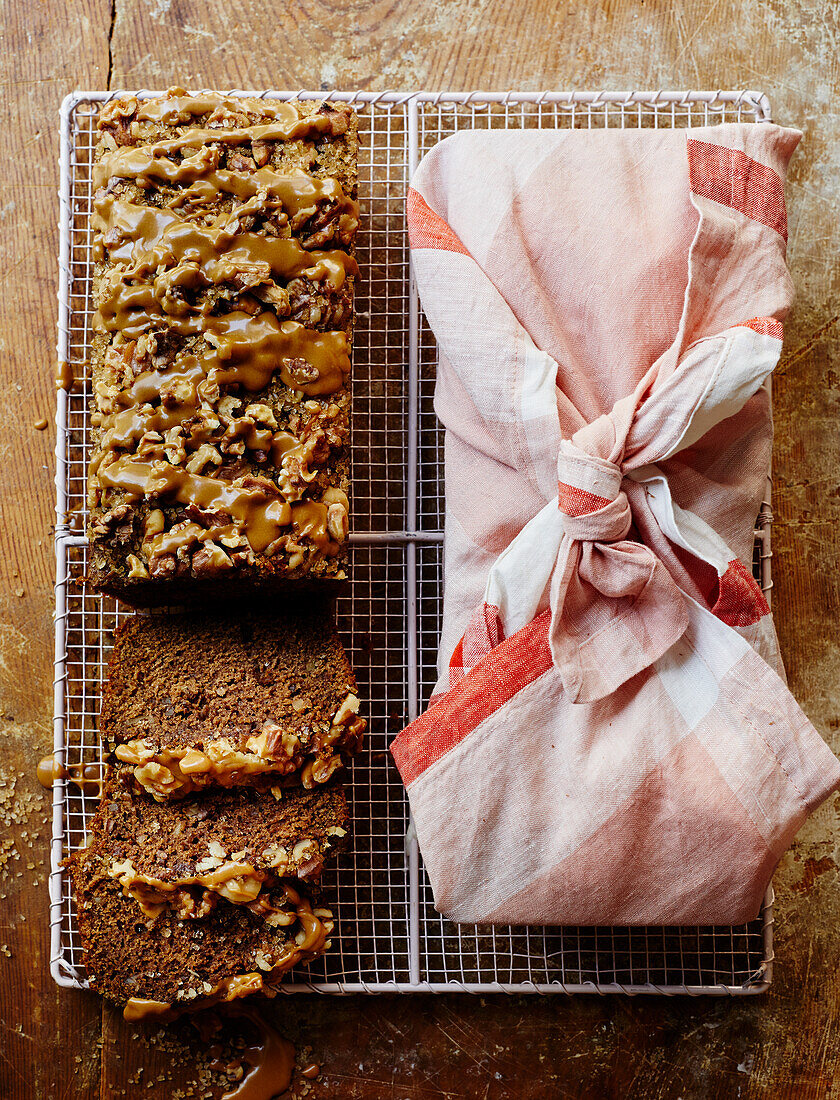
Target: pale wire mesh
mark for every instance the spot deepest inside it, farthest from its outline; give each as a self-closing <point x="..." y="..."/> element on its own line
<point x="389" y="936"/>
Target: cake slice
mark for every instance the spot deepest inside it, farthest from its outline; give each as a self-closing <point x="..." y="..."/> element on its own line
<point x="162" y="967"/>
<point x="263" y="699"/>
<point x="238" y="845"/>
<point x="223" y="237"/>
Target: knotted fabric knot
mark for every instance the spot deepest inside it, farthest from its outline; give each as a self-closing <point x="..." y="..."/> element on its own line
<point x="589" y="494"/>
<point x="615" y="609"/>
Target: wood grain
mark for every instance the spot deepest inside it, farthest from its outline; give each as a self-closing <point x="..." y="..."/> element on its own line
<point x="782" y="1046"/>
<point x="49" y="1044"/>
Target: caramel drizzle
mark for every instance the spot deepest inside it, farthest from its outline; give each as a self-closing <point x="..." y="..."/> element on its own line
<point x="248" y="349"/>
<point x="130" y="424"/>
<point x="247" y="354"/>
<point x="310" y="942"/>
<point x="85" y="776"/>
<point x="177" y="109"/>
<point x="151" y="238"/>
<point x="65" y="377"/>
<point x="239" y="883"/>
<point x="49" y="770"/>
<point x="260" y="515"/>
<point x="296" y="191"/>
<point x="196" y="137"/>
<point x="172" y="254"/>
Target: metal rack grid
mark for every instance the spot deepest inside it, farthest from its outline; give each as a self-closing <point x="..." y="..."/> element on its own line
<point x="389" y="936"/>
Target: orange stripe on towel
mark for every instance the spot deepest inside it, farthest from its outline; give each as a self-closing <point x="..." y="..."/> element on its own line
<point x="733" y="179"/>
<point x="740" y="601"/>
<point x="511" y="666"/>
<point x="578" y="502"/>
<point x="426" y="229"/>
<point x="765" y="326"/>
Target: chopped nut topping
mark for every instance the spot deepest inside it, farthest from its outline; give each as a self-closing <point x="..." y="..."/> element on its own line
<point x="347" y="710"/>
<point x="338" y="523"/>
<point x="194" y="285"/>
<point x="138" y="570"/>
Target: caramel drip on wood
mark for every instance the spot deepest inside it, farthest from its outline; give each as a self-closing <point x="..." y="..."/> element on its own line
<point x="65" y="378"/>
<point x="140" y="1008"/>
<point x="272" y="1061"/>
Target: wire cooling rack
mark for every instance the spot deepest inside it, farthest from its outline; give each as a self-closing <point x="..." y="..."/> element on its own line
<point x="389" y="936"/>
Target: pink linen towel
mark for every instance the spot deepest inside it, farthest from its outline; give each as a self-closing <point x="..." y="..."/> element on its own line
<point x="611" y="740"/>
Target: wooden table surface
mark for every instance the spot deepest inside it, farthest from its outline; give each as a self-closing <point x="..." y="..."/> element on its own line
<point x="59" y="1043"/>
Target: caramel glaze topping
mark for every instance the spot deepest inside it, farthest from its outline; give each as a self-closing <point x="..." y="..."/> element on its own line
<point x="247" y="350"/>
<point x="240" y="883"/>
<point x="196" y="137"/>
<point x="247" y="353"/>
<point x="260" y="513"/>
<point x="160" y="259"/>
<point x="295" y="192"/>
<point x="181" y="108"/>
<point x="149" y="237"/>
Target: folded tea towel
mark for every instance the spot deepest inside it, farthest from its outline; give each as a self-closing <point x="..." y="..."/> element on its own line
<point x="611" y="740"/>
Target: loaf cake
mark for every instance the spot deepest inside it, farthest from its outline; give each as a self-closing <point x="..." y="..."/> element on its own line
<point x="223" y="237"/>
<point x="260" y="698"/>
<point x="168" y="965"/>
<point x="234" y="844"/>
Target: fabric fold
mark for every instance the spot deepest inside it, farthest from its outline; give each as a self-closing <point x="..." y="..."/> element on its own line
<point x="608" y="307"/>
